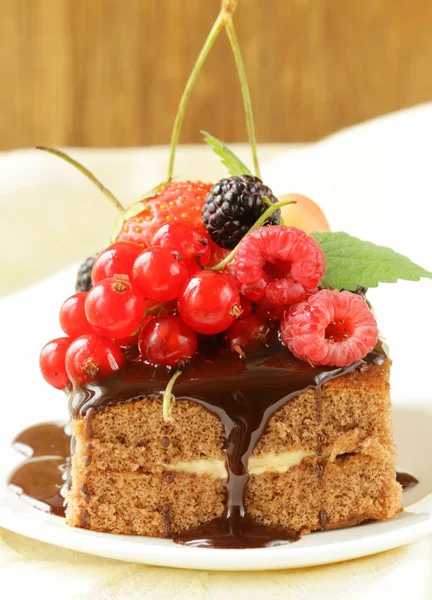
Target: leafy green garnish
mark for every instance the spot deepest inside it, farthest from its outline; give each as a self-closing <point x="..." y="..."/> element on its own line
<point x="351" y="262"/>
<point x="134" y="209"/>
<point x="232" y="162"/>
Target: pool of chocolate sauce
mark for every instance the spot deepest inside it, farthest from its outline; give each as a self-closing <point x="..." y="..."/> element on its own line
<point x="243" y="393"/>
<point x="40" y="478"/>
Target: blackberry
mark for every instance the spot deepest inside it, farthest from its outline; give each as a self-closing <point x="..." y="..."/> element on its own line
<point x="233" y="205"/>
<point x="84" y="280"/>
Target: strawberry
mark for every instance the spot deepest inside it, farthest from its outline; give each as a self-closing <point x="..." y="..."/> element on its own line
<point x="177" y="200"/>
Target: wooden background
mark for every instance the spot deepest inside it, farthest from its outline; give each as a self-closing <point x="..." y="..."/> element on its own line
<point x="110" y="72"/>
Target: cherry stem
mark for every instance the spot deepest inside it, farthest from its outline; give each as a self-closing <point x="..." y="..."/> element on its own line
<point x="263" y="218"/>
<point x="247" y="103"/>
<point x="85" y="172"/>
<point x="208" y="44"/>
<point x="168" y="397"/>
<point x="229" y="6"/>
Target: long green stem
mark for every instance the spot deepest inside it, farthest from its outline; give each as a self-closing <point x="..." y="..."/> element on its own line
<point x="208" y="44"/>
<point x="229" y="25"/>
<point x="263" y="218"/>
<point x="168" y="397"/>
<point x="85" y="172"/>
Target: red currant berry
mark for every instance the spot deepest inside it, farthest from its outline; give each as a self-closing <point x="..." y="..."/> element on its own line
<point x="115" y="308"/>
<point x="52" y="362"/>
<point x="117" y="259"/>
<point x="268" y="311"/>
<point x="246" y="306"/>
<point x="73" y="319"/>
<point x="167" y="340"/>
<point x="247" y="332"/>
<point x="92" y="357"/>
<point x="132" y="340"/>
<point x="159" y="273"/>
<point x="186" y="239"/>
<point x="209" y="302"/>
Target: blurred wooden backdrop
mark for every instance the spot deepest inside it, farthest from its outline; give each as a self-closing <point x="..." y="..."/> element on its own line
<point x="110" y="72"/>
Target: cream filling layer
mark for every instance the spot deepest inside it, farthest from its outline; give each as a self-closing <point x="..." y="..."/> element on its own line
<point x="257" y="465"/>
<point x="276" y="463"/>
<point x="203" y="466"/>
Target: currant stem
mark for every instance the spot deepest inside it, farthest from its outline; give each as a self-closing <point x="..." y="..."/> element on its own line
<point x="247" y="103"/>
<point x="85" y="172"/>
<point x="168" y="397"/>
<point x="208" y="44"/>
<point x="263" y="218"/>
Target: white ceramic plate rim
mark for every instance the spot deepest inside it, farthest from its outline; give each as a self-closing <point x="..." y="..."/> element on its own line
<point x="319" y="548"/>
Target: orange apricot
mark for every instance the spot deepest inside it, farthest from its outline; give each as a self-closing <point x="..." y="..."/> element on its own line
<point x="305" y="214"/>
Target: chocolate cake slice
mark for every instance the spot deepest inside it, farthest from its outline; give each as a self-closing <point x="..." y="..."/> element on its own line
<point x="256" y="451"/>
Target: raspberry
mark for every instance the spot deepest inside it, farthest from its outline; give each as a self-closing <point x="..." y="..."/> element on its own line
<point x="332" y="328"/>
<point x="282" y="263"/>
<point x="232" y="207"/>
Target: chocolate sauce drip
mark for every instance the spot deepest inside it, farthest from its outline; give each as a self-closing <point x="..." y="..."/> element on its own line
<point x="89" y="421"/>
<point x="406" y="480"/>
<point x="40" y="478"/>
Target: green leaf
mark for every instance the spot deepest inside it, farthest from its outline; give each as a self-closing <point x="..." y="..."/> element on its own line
<point x="232" y="162"/>
<point x="134" y="209"/>
<point x="351" y="262"/>
<point x="151" y="193"/>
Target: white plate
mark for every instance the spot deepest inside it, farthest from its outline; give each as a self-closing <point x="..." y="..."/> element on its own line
<point x="389" y="187"/>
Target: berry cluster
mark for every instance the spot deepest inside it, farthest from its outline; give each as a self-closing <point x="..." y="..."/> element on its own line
<point x="158" y="299"/>
<point x="157" y="293"/>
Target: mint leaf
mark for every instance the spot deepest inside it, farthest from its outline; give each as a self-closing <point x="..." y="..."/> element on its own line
<point x="229" y="159"/>
<point x="134" y="209"/>
<point x="352" y="262"/>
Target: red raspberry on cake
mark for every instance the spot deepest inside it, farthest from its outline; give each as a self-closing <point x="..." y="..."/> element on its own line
<point x="282" y="263"/>
<point x="332" y="328"/>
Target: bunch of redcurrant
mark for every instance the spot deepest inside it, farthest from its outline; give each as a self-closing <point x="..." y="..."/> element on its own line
<point x="158" y="299"/>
